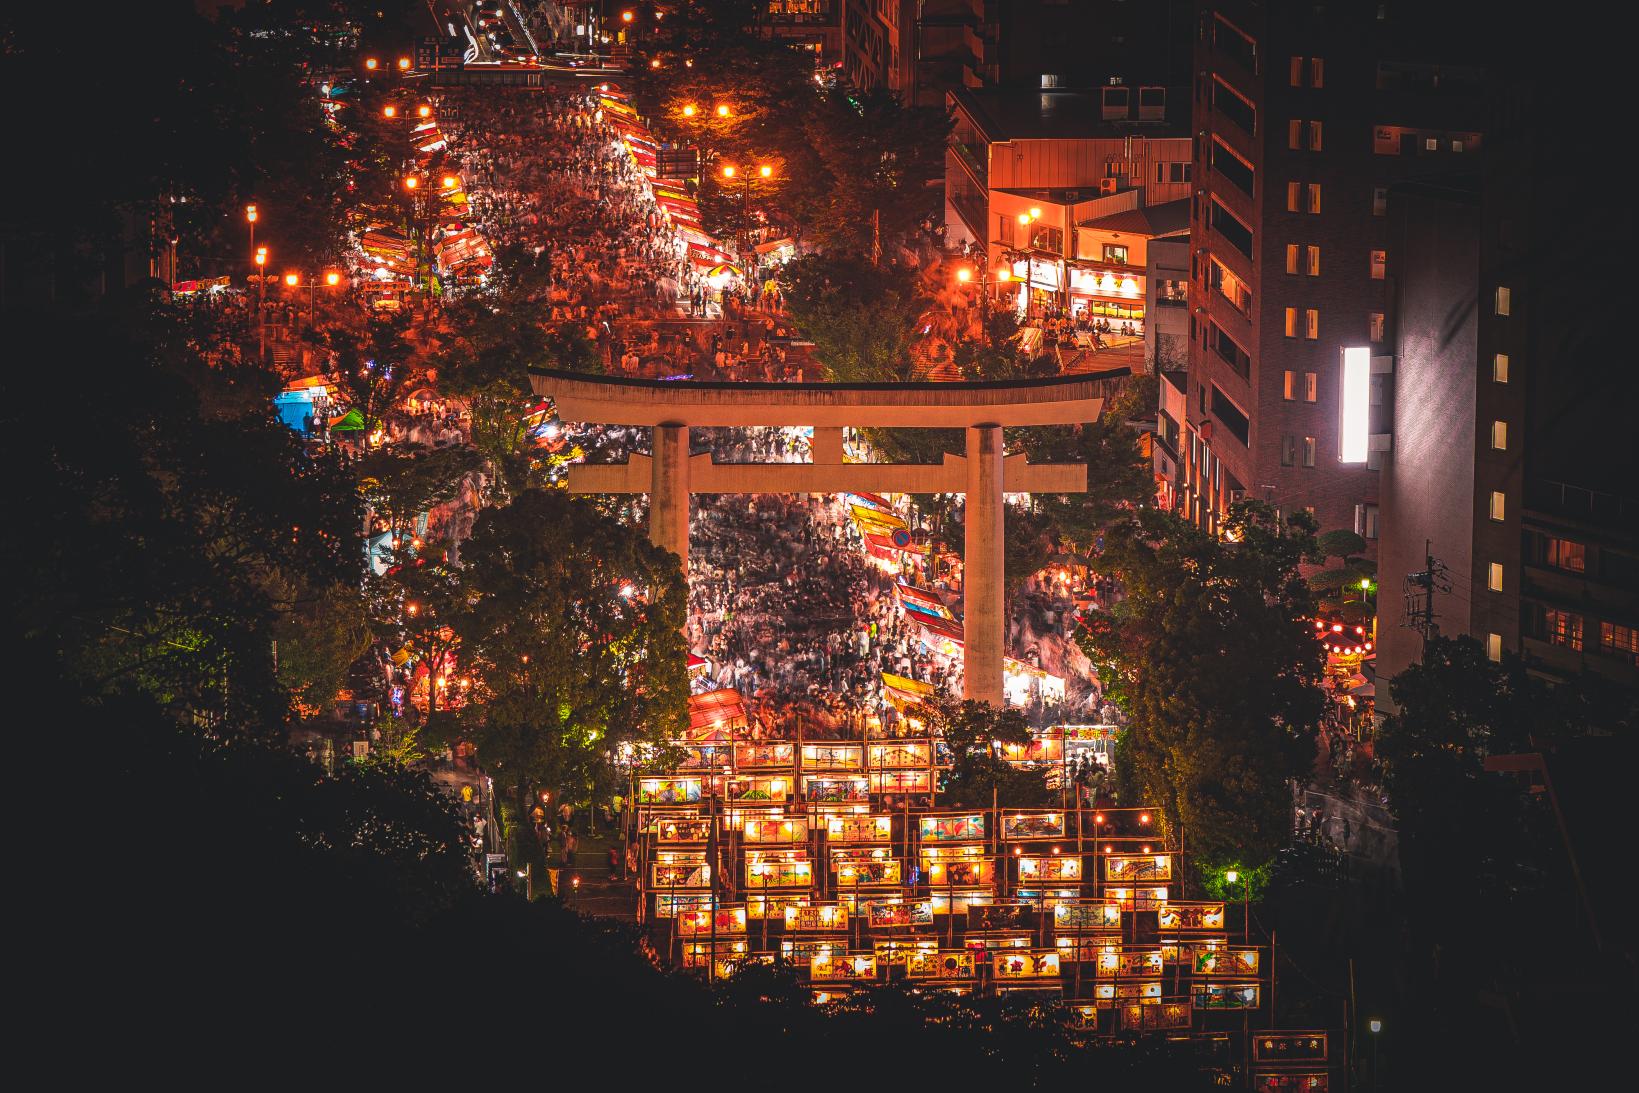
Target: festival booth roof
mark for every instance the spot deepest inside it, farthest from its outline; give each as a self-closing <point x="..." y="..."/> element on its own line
<point x="697" y="665"/>
<point x="870" y="500"/>
<point x="723" y="269"/>
<point x="708" y="256"/>
<point x="773" y="245"/>
<point x="879" y="546"/>
<point x="875" y="520"/>
<point x="940" y="631"/>
<point x="350" y="422"/>
<point x="307" y="383"/>
<point x="462" y="248"/>
<point x="903" y="691"/>
<point x="693" y="234"/>
<point x="714" y="715"/>
<point x="922" y="601"/>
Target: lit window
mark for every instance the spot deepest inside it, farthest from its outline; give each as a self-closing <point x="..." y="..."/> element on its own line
<point x="1499" y="436"/>
<point x="1311" y="324"/>
<point x="1312" y="254"/>
<point x="1380" y="260"/>
<point x="1297" y="72"/>
<point x="1308" y="451"/>
<point x="1456" y="146"/>
<point x="1314" y="197"/>
<point x="1431" y="144"/>
<point x="1291" y="325"/>
<point x="1498" y="505"/>
<point x="1317" y="72"/>
<point x="1499" y="368"/>
<point x="1621" y="641"/>
<point x="1493" y="576"/>
<point x="1294" y="191"/>
<point x="1289" y="383"/>
<point x="1565" y="554"/>
<point x="1563" y="628"/>
<point x="1311" y="386"/>
<point x="1314" y="136"/>
<point x="1493" y="646"/>
<point x="1294" y="134"/>
<point x="1375" y="326"/>
<point x="1292" y="257"/>
<point x="1504" y="300"/>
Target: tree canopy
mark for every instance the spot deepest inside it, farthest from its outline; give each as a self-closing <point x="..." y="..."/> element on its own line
<point x="1211" y="657"/>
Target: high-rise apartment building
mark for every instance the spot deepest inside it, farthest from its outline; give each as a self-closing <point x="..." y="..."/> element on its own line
<point x="1304" y="116"/>
<point x="1510" y="396"/>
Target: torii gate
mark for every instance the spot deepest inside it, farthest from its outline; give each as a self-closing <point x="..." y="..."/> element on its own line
<point x="670" y="475"/>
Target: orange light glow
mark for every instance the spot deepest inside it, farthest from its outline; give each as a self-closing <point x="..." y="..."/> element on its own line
<point x="964" y="275"/>
<point x="424" y="110"/>
<point x="389" y="111"/>
<point x="690" y="110"/>
<point x="411" y="182"/>
<point x="722" y="111"/>
<point x="371" y="63"/>
<point x="293" y="279"/>
<point x="403" y="64"/>
<point x="449" y="182"/>
<point x="332" y="278"/>
<point x="728" y="172"/>
<point x="766" y="171"/>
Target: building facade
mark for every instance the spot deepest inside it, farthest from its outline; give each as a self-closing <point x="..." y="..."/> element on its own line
<point x="1509" y="511"/>
<point x="1304" y="116"/>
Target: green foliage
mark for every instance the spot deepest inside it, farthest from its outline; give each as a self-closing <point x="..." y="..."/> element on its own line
<point x="1211" y="657"/>
<point x="163" y="547"/>
<point x="400" y="484"/>
<point x="573" y="639"/>
<point x="972" y="730"/>
<point x="861" y="318"/>
<point x="1120" y="480"/>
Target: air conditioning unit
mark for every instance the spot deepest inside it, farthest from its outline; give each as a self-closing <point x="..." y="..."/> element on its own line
<point x="1108" y="185"/>
<point x="1236" y="495"/>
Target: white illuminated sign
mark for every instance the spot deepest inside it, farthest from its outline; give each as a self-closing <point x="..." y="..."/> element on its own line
<point x="1357" y="379"/>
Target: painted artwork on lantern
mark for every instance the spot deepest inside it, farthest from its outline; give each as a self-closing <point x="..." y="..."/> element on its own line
<point x="758" y="755"/>
<point x="855" y="966"/>
<point x="1033" y="825"/>
<point x="939" y="965"/>
<point x="1315" y="1082"/>
<point x="668" y="791"/>
<point x="729" y="920"/>
<point x="901" y="781"/>
<point x="1151" y="1016"/>
<point x="1137" y="899"/>
<point x="757" y="789"/>
<point x="697" y="953"/>
<point x="791" y="830"/>
<point x="824" y="916"/>
<point x="779" y="874"/>
<point x="1191" y="916"/>
<point x="1087" y="916"/>
<point x="947" y="829"/>
<point x="996" y="916"/>
<point x="801" y="950"/>
<point x="1055" y="868"/>
<point x="855" y="828"/>
<point x="832" y="757"/>
<point x="901" y="754"/>
<point x="896" y="954"/>
<point x="854" y="874"/>
<point x="1236" y="962"/>
<point x="1141" y="868"/>
<point x="730" y="966"/>
<point x="977" y="871"/>
<point x="670" y="904"/>
<point x="705" y="757"/>
<point x="1025" y="965"/>
<point x="681" y="876"/>
<point x="759" y="906"/>
<point x="838" y="790"/>
<point x="682" y="831"/>
<point x="1224" y="996"/>
<point x="888" y="914"/>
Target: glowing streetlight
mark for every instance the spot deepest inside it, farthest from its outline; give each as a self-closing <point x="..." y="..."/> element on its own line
<point x="404" y="64"/>
<point x="654" y="63"/>
<point x="411" y="182"/>
<point x="1005" y="275"/>
<point x="728" y="172"/>
<point x="371" y="63"/>
<point x="964" y="275"/>
<point x="261" y="256"/>
<point x="1143" y="817"/>
<point x="293" y="279"/>
<point x="1376" y="1024"/>
<point x="1024" y="218"/>
<point x="424" y="110"/>
<point x="766" y="171"/>
<point x="1231" y="876"/>
<point x="449" y="182"/>
<point x="389" y="111"/>
<point x="1035" y="213"/>
<point x="627" y="16"/>
<point x="722" y="111"/>
<point x="690" y="110"/>
<point x="250" y="213"/>
<point x="332" y="278"/>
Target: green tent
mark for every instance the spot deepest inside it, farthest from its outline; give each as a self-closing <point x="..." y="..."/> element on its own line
<point x="350" y="422"/>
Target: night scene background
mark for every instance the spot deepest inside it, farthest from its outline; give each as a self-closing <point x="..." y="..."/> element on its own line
<point x="798" y="543"/>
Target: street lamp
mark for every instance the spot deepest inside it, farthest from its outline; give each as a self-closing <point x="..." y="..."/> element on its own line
<point x="403" y="64"/>
<point x="292" y="280"/>
<point x="371" y="63"/>
<point x="389" y="112"/>
<point x="728" y="172"/>
<point x="261" y="296"/>
<point x="1376" y="1026"/>
<point x="250" y="218"/>
<point x="689" y="110"/>
<point x="411" y="182"/>
<point x="766" y="171"/>
<point x="424" y="110"/>
<point x="449" y="182"/>
<point x="722" y="110"/>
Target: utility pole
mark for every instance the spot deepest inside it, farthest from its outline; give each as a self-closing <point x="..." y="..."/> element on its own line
<point x="1419" y="595"/>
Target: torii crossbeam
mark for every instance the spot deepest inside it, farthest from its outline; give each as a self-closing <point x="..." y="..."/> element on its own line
<point x="983" y="474"/>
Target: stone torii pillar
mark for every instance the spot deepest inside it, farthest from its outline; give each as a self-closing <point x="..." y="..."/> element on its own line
<point x="669" y="491"/>
<point x="982" y="473"/>
<point x="984" y="614"/>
